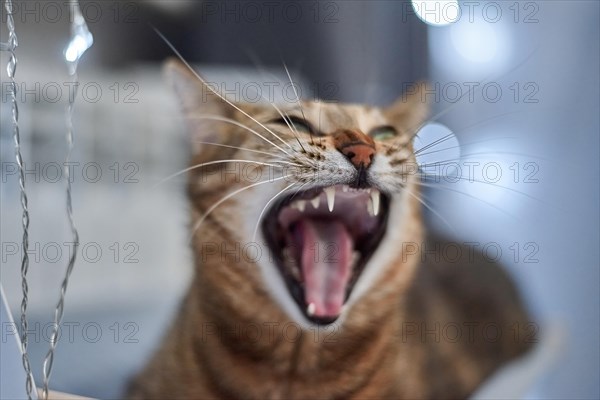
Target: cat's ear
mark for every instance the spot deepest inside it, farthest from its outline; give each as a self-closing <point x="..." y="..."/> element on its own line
<point x="196" y="99"/>
<point x="410" y="114"/>
<point x="410" y="110"/>
<point x="194" y="95"/>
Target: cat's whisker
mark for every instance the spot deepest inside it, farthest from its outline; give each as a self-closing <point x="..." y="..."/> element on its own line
<point x="452" y="161"/>
<point x="480" y="153"/>
<point x="508" y="153"/>
<point x="410" y="192"/>
<point x="267" y="206"/>
<point x="446" y="110"/>
<point x="438" y="150"/>
<point x="236" y="123"/>
<point x="287" y="120"/>
<point x="434" y="143"/>
<point x="456" y="178"/>
<point x="424" y="176"/>
<point x="487" y="154"/>
<point x="297" y="97"/>
<point x="462" y="145"/>
<point x="470" y="179"/>
<point x="443" y="187"/>
<point x="239" y="148"/>
<point x="193" y="167"/>
<point x="193" y="71"/>
<point x="468" y="127"/>
<point x="320" y="103"/>
<point x="292" y="197"/>
<point x="224" y="199"/>
<point x="300" y="188"/>
<point x="256" y="62"/>
<point x="489" y="119"/>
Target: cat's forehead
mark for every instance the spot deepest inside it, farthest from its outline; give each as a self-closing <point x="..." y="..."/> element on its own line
<point x="328" y="117"/>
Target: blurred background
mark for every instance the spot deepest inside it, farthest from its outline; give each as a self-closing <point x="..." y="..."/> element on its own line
<point x="516" y="81"/>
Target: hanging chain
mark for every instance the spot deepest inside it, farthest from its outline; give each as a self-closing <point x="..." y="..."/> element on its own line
<point x="59" y="310"/>
<point x="11" y="68"/>
<point x="81" y="40"/>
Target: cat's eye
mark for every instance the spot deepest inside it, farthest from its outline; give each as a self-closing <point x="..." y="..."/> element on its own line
<point x="297" y="124"/>
<point x="383" y="133"/>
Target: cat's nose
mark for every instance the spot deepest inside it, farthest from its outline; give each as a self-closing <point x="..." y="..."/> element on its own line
<point x="358" y="148"/>
<point x="360" y="155"/>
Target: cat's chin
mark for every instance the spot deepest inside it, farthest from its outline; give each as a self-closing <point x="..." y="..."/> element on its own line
<point x="321" y="240"/>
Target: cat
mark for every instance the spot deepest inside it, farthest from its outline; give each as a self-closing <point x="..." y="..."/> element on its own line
<point x="314" y="275"/>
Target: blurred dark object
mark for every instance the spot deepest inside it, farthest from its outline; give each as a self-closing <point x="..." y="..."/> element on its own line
<point x="341" y="47"/>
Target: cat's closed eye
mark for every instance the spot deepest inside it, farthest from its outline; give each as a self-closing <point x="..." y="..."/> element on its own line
<point x="297" y="124"/>
<point x="383" y="132"/>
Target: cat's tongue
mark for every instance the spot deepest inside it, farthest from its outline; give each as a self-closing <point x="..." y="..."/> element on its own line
<point x="325" y="258"/>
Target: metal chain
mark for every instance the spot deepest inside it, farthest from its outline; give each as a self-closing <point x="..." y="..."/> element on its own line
<point x="81" y="39"/>
<point x="59" y="310"/>
<point x="11" y="69"/>
<point x="79" y="29"/>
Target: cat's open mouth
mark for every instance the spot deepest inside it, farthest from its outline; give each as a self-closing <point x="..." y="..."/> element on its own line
<point x="321" y="240"/>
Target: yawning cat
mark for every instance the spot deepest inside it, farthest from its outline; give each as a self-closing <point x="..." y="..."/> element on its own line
<point x="314" y="277"/>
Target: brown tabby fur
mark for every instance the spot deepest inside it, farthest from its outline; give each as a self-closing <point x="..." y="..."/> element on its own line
<point x="398" y="341"/>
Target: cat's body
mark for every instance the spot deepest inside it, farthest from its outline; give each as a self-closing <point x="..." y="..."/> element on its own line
<point x="415" y="325"/>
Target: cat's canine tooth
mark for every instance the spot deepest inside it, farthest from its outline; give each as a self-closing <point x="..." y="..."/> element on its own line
<point x="375" y="198"/>
<point x="301" y="205"/>
<point x="330" y="193"/>
<point x="370" y="208"/>
<point x="310" y="310"/>
<point x="315" y="202"/>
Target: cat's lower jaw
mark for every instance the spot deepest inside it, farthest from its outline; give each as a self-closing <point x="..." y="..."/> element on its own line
<point x="232" y="340"/>
<point x="220" y="355"/>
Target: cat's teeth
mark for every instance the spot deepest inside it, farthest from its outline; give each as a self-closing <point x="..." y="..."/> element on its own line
<point x="310" y="310"/>
<point x="370" y="208"/>
<point x="330" y="193"/>
<point x="345" y="188"/>
<point x="375" y="198"/>
<point x="315" y="202"/>
<point x="301" y="205"/>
